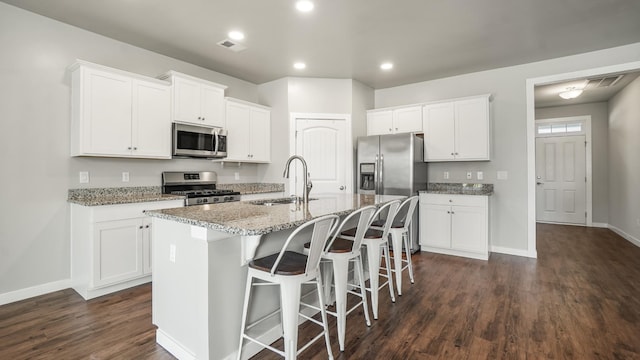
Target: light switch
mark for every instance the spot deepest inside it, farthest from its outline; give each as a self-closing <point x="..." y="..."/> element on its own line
<point x="480" y="175"/>
<point x="84" y="177"/>
<point x="125" y="176"/>
<point x="502" y="175"/>
<point x="446" y="175"/>
<point x="236" y="175"/>
<point x="172" y="253"/>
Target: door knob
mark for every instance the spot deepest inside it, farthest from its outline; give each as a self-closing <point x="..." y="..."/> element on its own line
<point x="341" y="187"/>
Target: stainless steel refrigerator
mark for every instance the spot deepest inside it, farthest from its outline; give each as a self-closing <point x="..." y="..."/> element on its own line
<point x="392" y="165"/>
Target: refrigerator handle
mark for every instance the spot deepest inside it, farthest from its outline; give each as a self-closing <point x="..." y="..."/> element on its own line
<point x="381" y="177"/>
<point x="376" y="180"/>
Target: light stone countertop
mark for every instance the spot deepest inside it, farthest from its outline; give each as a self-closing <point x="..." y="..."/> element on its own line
<point x="245" y="218"/>
<point x="252" y="188"/>
<point x="121" y="195"/>
<point x="459" y="189"/>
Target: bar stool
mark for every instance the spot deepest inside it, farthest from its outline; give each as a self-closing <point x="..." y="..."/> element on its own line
<point x="289" y="270"/>
<point x="340" y="252"/>
<point x="400" y="235"/>
<point x="376" y="240"/>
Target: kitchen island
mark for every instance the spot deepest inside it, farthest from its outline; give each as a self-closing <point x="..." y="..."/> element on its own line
<point x="199" y="269"/>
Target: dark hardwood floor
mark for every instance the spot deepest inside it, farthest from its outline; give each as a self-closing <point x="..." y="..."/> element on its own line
<point x="579" y="300"/>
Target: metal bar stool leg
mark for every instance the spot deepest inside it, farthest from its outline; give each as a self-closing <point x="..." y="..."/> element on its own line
<point x="396" y="239"/>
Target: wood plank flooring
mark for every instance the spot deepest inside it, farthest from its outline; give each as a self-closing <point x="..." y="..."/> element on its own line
<point x="579" y="300"/>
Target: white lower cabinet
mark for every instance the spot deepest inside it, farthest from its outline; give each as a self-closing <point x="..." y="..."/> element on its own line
<point x="111" y="246"/>
<point x="455" y="225"/>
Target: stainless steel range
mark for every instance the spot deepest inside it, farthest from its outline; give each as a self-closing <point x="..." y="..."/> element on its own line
<point x="199" y="187"/>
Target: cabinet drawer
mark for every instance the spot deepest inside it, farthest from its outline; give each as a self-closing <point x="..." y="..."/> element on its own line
<point x="133" y="210"/>
<point x="448" y="199"/>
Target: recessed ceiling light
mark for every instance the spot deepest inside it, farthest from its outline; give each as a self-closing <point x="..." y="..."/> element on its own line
<point x="386" y="66"/>
<point x="299" y="65"/>
<point x="304" y="5"/>
<point x="236" y="35"/>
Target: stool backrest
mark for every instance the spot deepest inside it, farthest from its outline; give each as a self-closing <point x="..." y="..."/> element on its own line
<point x="403" y="216"/>
<point x="391" y="208"/>
<point x="364" y="221"/>
<point x="322" y="229"/>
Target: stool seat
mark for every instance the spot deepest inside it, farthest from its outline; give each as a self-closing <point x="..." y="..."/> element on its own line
<point x="339" y="245"/>
<point x="292" y="263"/>
<point x="394" y="225"/>
<point x="369" y="234"/>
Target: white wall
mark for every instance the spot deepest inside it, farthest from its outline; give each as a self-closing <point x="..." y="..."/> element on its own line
<point x="624" y="153"/>
<point x="599" y="113"/>
<point x="508" y="224"/>
<point x="34" y="142"/>
<point x="276" y="95"/>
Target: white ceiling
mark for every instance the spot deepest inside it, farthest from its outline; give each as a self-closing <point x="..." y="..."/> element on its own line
<point x="350" y="38"/>
<point x="548" y="95"/>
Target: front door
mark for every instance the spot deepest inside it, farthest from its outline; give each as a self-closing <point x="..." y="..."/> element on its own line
<point x="561" y="179"/>
<point x="323" y="144"/>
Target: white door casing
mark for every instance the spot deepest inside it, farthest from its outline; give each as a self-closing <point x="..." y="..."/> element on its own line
<point x="561" y="179"/>
<point x="324" y="140"/>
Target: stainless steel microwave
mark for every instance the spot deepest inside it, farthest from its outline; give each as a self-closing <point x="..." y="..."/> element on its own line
<point x="199" y="141"/>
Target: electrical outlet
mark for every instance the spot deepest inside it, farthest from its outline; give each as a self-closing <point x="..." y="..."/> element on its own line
<point x="172" y="253"/>
<point x="480" y="175"/>
<point x="125" y="176"/>
<point x="469" y="175"/>
<point x="446" y="175"/>
<point x="84" y="177"/>
<point x="236" y="175"/>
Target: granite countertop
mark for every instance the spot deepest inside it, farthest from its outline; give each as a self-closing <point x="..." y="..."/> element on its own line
<point x="252" y="188"/>
<point x="246" y="218"/>
<point x="122" y="195"/>
<point x="459" y="189"/>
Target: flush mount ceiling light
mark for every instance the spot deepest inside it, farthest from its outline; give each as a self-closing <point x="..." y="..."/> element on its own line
<point x="386" y="66"/>
<point x="236" y="35"/>
<point x="304" y="5"/>
<point x="300" y="65"/>
<point x="571" y="93"/>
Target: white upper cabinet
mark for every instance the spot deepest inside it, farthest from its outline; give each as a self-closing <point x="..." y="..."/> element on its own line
<point x="118" y="114"/>
<point x="457" y="130"/>
<point x="197" y="101"/>
<point x="248" y="132"/>
<point x="394" y="121"/>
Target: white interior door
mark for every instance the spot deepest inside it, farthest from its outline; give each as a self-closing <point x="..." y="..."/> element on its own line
<point x="561" y="179"/>
<point x="323" y="143"/>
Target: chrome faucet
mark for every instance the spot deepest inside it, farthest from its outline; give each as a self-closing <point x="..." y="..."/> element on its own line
<point x="307" y="183"/>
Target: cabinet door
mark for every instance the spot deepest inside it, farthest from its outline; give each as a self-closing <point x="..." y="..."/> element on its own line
<point x="260" y="135"/>
<point x="238" y="130"/>
<point x="438" y="126"/>
<point x="379" y="122"/>
<point x="106" y="118"/>
<point x="469" y="229"/>
<point x="186" y="101"/>
<point x="212" y="106"/>
<point x="407" y="120"/>
<point x="117" y="251"/>
<point x="435" y="227"/>
<point x="151" y="123"/>
<point x="472" y="129"/>
<point x="147" y="247"/>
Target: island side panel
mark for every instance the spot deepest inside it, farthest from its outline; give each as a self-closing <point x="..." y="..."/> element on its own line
<point x="180" y="290"/>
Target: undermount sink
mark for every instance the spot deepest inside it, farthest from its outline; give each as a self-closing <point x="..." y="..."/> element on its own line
<point x="278" y="201"/>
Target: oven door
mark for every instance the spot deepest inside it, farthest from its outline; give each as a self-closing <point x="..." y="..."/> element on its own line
<point x="196" y="141"/>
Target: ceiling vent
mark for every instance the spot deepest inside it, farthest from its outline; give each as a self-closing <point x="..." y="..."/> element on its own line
<point x="603" y="82"/>
<point x="231" y="45"/>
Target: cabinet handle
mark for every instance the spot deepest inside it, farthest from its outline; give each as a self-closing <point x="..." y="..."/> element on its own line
<point x="203" y="118"/>
<point x="135" y="148"/>
<point x="450" y="200"/>
<point x="448" y="212"/>
<point x="452" y="154"/>
<point x="396" y="129"/>
<point x="129" y="148"/>
<point x="140" y="226"/>
<point x="452" y="212"/>
<point x="199" y="117"/>
<point x="456" y="153"/>
<point x="147" y="226"/>
<point x="390" y="129"/>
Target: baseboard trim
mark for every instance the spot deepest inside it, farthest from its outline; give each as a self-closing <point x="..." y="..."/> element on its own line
<point x="512" y="251"/>
<point x="626" y="236"/>
<point x="37" y="290"/>
<point x="600" y="225"/>
<point x="173" y="346"/>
